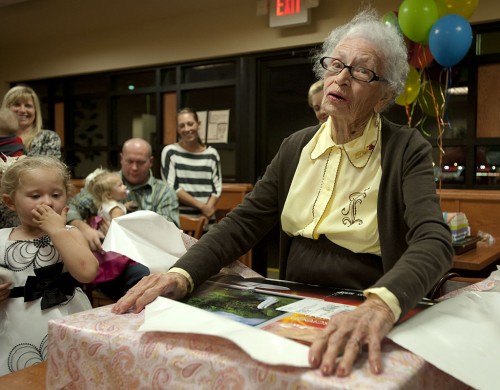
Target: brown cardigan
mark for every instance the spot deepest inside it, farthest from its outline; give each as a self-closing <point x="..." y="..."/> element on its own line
<point x="415" y="241"/>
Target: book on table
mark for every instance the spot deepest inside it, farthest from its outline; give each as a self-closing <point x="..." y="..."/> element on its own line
<point x="293" y="310"/>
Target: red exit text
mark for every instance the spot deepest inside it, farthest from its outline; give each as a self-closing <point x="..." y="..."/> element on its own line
<point x="287" y="7"/>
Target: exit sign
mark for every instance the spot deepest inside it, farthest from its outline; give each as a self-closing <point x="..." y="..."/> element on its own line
<point x="285" y="13"/>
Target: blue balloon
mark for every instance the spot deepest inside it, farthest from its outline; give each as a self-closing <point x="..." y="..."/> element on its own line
<point x="450" y="39"/>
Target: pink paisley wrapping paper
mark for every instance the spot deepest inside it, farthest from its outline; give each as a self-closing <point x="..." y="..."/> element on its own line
<point x="485" y="285"/>
<point x="97" y="349"/>
<point x="100" y="350"/>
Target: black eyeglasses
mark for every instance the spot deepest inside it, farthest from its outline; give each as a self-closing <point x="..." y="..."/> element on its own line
<point x="335" y="67"/>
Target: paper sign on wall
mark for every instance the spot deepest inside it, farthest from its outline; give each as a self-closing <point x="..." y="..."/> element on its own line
<point x="218" y="126"/>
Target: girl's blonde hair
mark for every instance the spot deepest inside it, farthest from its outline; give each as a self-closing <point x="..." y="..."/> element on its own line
<point x="22" y="93"/>
<point x="99" y="182"/>
<point x="13" y="174"/>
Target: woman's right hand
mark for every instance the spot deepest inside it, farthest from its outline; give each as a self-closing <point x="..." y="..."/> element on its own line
<point x="341" y="343"/>
<point x="4" y="291"/>
<point x="170" y="284"/>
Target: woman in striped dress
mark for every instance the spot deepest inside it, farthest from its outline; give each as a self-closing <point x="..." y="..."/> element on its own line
<point x="192" y="168"/>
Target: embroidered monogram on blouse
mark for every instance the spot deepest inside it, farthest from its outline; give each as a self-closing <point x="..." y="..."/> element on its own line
<point x="355" y="199"/>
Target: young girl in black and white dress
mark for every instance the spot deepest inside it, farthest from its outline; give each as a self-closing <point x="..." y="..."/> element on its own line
<point x="42" y="261"/>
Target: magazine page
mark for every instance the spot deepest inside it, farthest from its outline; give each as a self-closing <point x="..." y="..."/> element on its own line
<point x="293" y="310"/>
<point x="240" y="304"/>
<point x="299" y="327"/>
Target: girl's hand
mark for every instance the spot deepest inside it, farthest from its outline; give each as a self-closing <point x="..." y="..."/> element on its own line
<point x="48" y="220"/>
<point x="4" y="292"/>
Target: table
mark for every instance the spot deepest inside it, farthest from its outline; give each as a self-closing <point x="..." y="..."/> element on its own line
<point x="31" y="378"/>
<point x="479" y="258"/>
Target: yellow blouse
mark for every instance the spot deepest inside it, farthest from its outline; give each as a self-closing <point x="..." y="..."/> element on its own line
<point x="335" y="190"/>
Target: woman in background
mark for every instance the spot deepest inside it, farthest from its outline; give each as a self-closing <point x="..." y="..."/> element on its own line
<point x="314" y="98"/>
<point x="192" y="168"/>
<point x="24" y="102"/>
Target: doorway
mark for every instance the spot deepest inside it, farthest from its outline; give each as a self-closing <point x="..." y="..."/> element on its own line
<point x="282" y="108"/>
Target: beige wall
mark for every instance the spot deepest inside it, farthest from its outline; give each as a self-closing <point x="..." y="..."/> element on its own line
<point x="234" y="29"/>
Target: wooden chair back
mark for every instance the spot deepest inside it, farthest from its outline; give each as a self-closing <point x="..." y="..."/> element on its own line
<point x="192" y="226"/>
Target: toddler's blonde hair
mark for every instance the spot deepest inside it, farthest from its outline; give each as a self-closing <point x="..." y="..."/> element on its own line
<point x="99" y="183"/>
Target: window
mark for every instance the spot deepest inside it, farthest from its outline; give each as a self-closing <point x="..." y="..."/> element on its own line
<point x="133" y="81"/>
<point x="209" y="72"/>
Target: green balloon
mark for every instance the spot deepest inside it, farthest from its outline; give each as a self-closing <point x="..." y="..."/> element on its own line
<point x="416" y="18"/>
<point x="390" y="19"/>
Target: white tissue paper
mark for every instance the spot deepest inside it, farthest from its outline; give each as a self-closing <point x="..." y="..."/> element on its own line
<point x="146" y="237"/>
<point x="460" y="336"/>
<point x="166" y="315"/>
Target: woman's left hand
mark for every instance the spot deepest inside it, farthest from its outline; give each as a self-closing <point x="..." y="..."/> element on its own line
<point x="347" y="333"/>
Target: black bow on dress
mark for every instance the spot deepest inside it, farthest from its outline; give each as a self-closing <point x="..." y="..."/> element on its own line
<point x="49" y="284"/>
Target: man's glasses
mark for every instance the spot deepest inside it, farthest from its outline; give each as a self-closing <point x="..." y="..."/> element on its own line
<point x="335" y="67"/>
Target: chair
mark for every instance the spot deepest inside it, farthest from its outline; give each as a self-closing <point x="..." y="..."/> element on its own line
<point x="449" y="282"/>
<point x="247" y="257"/>
<point x="192" y="226"/>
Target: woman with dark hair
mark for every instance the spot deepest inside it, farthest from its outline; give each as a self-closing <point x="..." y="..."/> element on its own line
<point x="192" y="169"/>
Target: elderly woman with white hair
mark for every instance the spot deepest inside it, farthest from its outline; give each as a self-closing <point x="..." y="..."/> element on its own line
<point x="355" y="198"/>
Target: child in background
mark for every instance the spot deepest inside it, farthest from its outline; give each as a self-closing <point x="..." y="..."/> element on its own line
<point x="42" y="261"/>
<point x="108" y="192"/>
<point x="10" y="144"/>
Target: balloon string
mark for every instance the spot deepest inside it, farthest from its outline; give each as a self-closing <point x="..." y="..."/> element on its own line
<point x="422" y="63"/>
<point x="409" y="113"/>
<point x="440" y="119"/>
